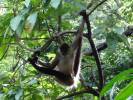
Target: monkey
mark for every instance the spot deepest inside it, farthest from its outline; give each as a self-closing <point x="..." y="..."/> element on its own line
<point x="66" y="65"/>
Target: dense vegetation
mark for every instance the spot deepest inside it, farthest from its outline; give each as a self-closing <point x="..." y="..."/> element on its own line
<point x="28" y="25"/>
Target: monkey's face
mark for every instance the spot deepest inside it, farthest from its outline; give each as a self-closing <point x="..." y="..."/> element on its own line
<point x="64" y="48"/>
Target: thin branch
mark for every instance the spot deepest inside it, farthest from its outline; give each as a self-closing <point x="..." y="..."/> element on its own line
<point x="87" y="87"/>
<point x="6" y="50"/>
<point x="94" y="49"/>
<point x="59" y="39"/>
<point x="59" y="23"/>
<point x="73" y="94"/>
<point x="99" y="47"/>
<point x="26" y="38"/>
<point x="44" y="47"/>
<point x="48" y="27"/>
<point x="10" y="80"/>
<point x="97" y="6"/>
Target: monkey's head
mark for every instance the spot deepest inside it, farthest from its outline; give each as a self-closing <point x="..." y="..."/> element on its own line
<point x="64" y="48"/>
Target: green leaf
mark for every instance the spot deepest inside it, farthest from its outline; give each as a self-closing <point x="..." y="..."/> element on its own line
<point x="27" y="3"/>
<point x="118" y="30"/>
<point x="46" y="2"/>
<point x="33" y="81"/>
<point x="31" y="20"/>
<point x="14" y="23"/>
<point x="122" y="76"/>
<point x="3" y="76"/>
<point x="20" y="27"/>
<point x="4" y="48"/>
<point x="55" y="3"/>
<point x="125" y="92"/>
<point x="24" y="12"/>
<point x="38" y="96"/>
<point x="125" y="41"/>
<point x="19" y="94"/>
<point x="1" y="96"/>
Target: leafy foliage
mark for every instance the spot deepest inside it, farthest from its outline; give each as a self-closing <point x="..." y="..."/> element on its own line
<point x="26" y="25"/>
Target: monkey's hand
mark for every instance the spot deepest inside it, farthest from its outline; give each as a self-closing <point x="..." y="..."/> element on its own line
<point x="33" y="60"/>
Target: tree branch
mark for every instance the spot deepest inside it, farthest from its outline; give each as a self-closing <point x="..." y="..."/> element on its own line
<point x="100" y="47"/>
<point x="74" y="94"/>
<point x="96" y="6"/>
<point x="94" y="49"/>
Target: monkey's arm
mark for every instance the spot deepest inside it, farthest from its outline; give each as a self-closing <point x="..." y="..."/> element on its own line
<point x="51" y="65"/>
<point x="77" y="46"/>
<point x="55" y="61"/>
<point x="78" y="38"/>
<point x="63" y="78"/>
<point x="44" y="70"/>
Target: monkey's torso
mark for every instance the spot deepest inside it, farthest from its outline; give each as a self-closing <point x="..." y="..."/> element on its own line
<point x="67" y="61"/>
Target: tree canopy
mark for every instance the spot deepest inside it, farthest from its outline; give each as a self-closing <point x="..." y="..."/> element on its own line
<point x="27" y="26"/>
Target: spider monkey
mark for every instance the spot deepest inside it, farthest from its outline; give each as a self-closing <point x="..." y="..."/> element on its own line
<point x="66" y="65"/>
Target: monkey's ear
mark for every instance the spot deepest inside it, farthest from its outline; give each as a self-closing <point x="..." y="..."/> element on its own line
<point x="64" y="48"/>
